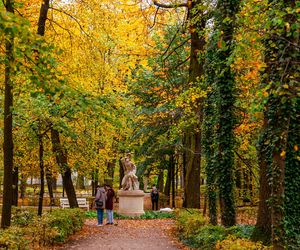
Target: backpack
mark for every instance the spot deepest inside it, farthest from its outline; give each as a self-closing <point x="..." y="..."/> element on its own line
<point x="99" y="203"/>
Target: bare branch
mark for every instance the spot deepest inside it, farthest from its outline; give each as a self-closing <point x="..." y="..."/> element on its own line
<point x="155" y="17"/>
<point x="177" y="47"/>
<point x="182" y="62"/>
<point x="69" y="15"/>
<point x="170" y="6"/>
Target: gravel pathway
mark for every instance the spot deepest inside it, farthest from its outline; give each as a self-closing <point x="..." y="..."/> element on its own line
<point x="155" y="234"/>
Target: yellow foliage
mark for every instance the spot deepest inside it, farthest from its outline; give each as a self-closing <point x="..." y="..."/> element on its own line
<point x="233" y="243"/>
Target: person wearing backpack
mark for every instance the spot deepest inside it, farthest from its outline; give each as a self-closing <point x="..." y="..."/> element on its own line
<point x="109" y="204"/>
<point x="100" y="199"/>
<point x="154" y="197"/>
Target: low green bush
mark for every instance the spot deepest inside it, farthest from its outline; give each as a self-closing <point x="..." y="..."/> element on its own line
<point x="189" y="222"/>
<point x="31" y="230"/>
<point x="22" y="217"/>
<point x="206" y="237"/>
<point x="195" y="231"/>
<point x="66" y="222"/>
<point x="145" y="216"/>
<point x="13" y="238"/>
<point x="241" y="231"/>
<point x="156" y="215"/>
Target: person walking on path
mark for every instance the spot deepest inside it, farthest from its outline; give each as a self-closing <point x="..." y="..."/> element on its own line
<point x="110" y="194"/>
<point x="154" y="197"/>
<point x="100" y="204"/>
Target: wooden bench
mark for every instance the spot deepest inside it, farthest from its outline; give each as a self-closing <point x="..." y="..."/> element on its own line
<point x="82" y="203"/>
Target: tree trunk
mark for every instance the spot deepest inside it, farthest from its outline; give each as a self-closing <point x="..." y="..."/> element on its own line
<point x="172" y="166"/>
<point x="8" y="137"/>
<point x="95" y="177"/>
<point x="42" y="174"/>
<point x="193" y="163"/>
<point x="50" y="179"/>
<point x="168" y="186"/>
<point x="225" y="116"/>
<point x="23" y="186"/>
<point x="262" y="231"/>
<point x="192" y="172"/>
<point x="15" y="186"/>
<point x="292" y="182"/>
<point x="80" y="181"/>
<point x="110" y="172"/>
<point x="62" y="161"/>
<point x="121" y="173"/>
<point x="160" y="181"/>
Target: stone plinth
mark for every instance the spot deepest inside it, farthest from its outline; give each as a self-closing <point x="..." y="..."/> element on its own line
<point x="131" y="203"/>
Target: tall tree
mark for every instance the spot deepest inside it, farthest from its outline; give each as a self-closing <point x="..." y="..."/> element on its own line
<point x="61" y="154"/>
<point x="224" y="99"/>
<point x="192" y="135"/>
<point x="278" y="149"/>
<point x="8" y="136"/>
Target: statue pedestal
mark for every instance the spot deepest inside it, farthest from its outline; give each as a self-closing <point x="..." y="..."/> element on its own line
<point x="131" y="203"/>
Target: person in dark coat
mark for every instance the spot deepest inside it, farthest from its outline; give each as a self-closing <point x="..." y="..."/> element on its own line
<point x="100" y="204"/>
<point x="109" y="204"/>
<point x="154" y="197"/>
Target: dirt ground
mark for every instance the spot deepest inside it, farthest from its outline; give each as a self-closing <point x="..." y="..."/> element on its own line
<point x="155" y="234"/>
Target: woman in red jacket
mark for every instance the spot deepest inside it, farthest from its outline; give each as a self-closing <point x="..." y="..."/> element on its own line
<point x="109" y="204"/>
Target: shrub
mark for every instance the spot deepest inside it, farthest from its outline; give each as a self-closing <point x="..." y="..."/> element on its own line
<point x="189" y="222"/>
<point x="156" y="215"/>
<point x="195" y="231"/>
<point x="207" y="237"/>
<point x="22" y="217"/>
<point x="241" y="231"/>
<point x="146" y="215"/>
<point x="234" y="243"/>
<point x="32" y="230"/>
<point x="13" y="239"/>
<point x="66" y="222"/>
<point x="40" y="233"/>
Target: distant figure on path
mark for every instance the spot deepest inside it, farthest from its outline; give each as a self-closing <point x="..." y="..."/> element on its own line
<point x="109" y="204"/>
<point x="130" y="180"/>
<point x="100" y="204"/>
<point x="154" y="197"/>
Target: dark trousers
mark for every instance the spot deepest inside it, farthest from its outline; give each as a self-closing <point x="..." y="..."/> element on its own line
<point x="156" y="204"/>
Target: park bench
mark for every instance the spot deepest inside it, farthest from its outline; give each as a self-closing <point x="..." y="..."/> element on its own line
<point x="82" y="203"/>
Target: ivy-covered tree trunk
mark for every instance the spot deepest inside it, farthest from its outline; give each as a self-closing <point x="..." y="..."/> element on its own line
<point x="210" y="169"/>
<point x="62" y="161"/>
<point x="280" y="111"/>
<point x="8" y="137"/>
<point x="225" y="119"/>
<point x="208" y="132"/>
<point x="292" y="182"/>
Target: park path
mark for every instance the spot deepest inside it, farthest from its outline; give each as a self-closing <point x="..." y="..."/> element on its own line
<point x="156" y="234"/>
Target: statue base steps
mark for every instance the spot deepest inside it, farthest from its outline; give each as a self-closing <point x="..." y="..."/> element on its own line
<point x="131" y="203"/>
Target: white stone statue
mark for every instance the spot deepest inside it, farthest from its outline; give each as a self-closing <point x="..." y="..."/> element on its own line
<point x="130" y="180"/>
